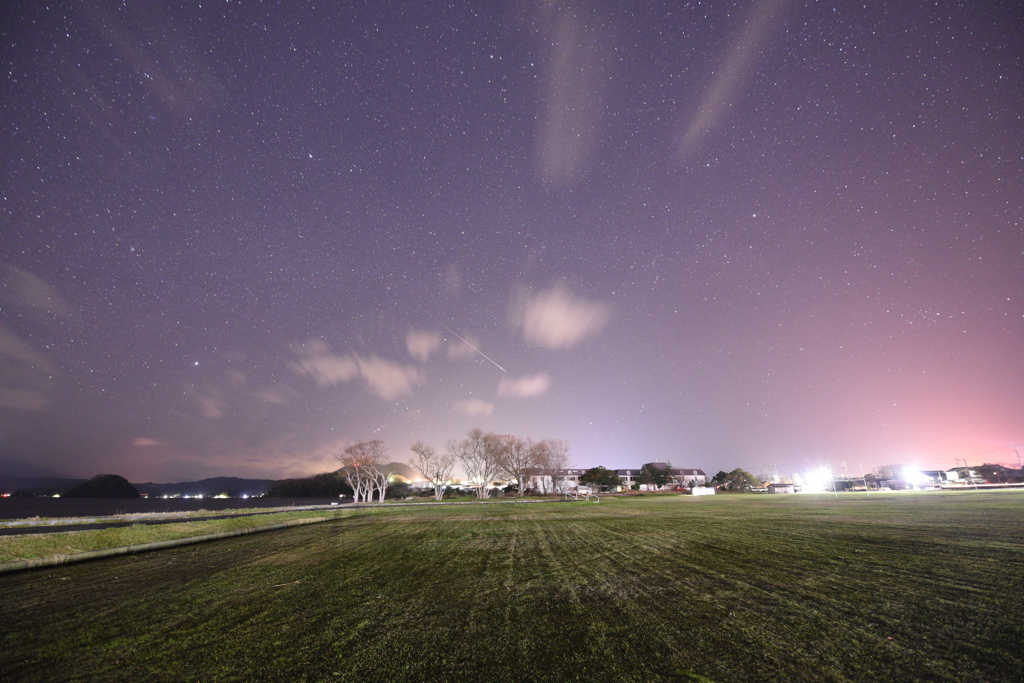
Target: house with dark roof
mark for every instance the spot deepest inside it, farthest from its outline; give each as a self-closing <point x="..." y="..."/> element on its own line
<point x="681" y="477"/>
<point x="547" y="481"/>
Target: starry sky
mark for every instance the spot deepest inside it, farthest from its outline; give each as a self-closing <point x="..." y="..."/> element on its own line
<point x="236" y="236"/>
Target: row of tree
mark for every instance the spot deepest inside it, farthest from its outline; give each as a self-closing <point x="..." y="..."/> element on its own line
<point x="484" y="456"/>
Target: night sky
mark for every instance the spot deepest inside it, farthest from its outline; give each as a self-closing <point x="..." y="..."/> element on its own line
<point x="236" y="236"/>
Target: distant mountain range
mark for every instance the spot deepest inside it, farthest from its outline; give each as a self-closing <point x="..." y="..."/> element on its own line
<point x="17" y="468"/>
<point x="23" y="476"/>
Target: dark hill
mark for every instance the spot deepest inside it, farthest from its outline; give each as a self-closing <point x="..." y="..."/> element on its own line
<point x="325" y="485"/>
<point x="17" y="468"/>
<point x="104" y="486"/>
<point x="403" y="470"/>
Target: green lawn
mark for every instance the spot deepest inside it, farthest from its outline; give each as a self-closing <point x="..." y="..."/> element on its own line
<point x="891" y="587"/>
<point x="31" y="546"/>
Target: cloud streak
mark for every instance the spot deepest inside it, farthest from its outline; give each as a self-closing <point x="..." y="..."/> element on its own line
<point x="739" y="62"/>
<point x="462" y="348"/>
<point x="29" y="291"/>
<point x="386" y="379"/>
<point x="422" y="344"/>
<point x="23" y="399"/>
<point x="209" y="398"/>
<point x="524" y="387"/>
<point x="160" y="56"/>
<point x="13" y="347"/>
<point x="555" y="318"/>
<point x="276" y="395"/>
<point x="575" y="88"/>
<point x="475" y="407"/>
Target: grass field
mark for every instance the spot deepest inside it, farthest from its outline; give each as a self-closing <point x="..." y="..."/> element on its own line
<point x="31" y="546"/>
<point x="893" y="587"/>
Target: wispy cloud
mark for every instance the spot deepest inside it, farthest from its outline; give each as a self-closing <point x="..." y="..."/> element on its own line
<point x="317" y="361"/>
<point x="577" y="77"/>
<point x="463" y="348"/>
<point x="209" y="398"/>
<point x="145" y="442"/>
<point x="524" y="387"/>
<point x="555" y="318"/>
<point x="160" y="55"/>
<point x="23" y="399"/>
<point x="25" y="374"/>
<point x="236" y="378"/>
<point x="386" y="379"/>
<point x="725" y="90"/>
<point x="451" y="279"/>
<point x="13" y="347"/>
<point x="212" y="406"/>
<point x="24" y="289"/>
<point x="276" y="395"/>
<point x="474" y="406"/>
<point x="422" y="344"/>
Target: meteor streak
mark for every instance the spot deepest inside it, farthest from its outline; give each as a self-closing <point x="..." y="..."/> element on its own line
<point x="470" y="345"/>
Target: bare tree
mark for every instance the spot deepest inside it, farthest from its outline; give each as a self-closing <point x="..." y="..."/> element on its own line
<point x="542" y="466"/>
<point x="435" y="467"/>
<point x="352" y="461"/>
<point x="380" y="470"/>
<point x="478" y="453"/>
<point x="364" y="466"/>
<point x="557" y="460"/>
<point x="515" y="457"/>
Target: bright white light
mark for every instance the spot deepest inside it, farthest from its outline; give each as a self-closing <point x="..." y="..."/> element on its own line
<point x="818" y="480"/>
<point x="913" y="476"/>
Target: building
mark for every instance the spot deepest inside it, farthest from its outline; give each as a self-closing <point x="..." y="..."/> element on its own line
<point x="964" y="476"/>
<point x="998" y="474"/>
<point x="781" y="488"/>
<point x="933" y="477"/>
<point x="680" y="477"/>
<point x="547" y="481"/>
<point x="628" y="477"/>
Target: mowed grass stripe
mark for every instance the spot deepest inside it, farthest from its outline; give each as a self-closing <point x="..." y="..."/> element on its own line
<point x="731" y="589"/>
<point x="43" y="544"/>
